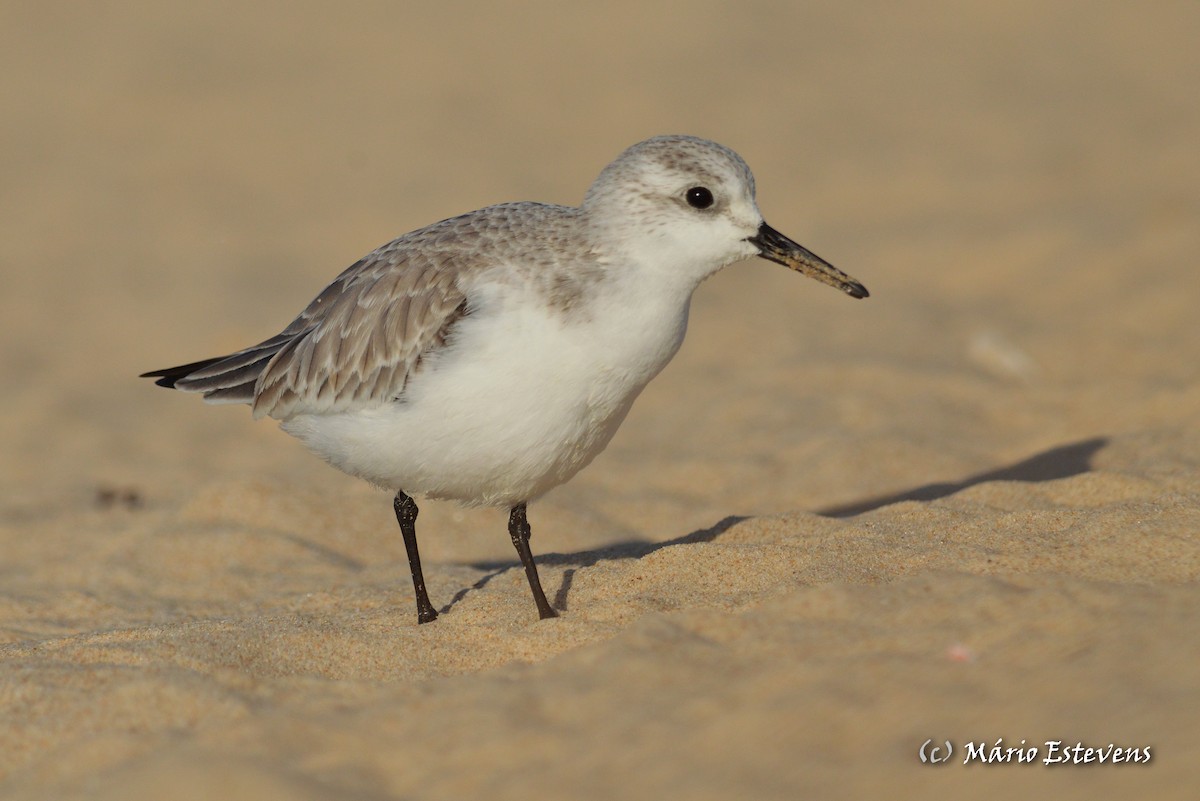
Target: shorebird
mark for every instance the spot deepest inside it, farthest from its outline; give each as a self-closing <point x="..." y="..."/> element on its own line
<point x="490" y="357"/>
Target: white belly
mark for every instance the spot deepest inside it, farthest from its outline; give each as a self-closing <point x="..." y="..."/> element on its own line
<point x="523" y="399"/>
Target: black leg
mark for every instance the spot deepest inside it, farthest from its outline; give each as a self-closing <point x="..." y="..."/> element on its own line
<point x="406" y="516"/>
<point x="518" y="529"/>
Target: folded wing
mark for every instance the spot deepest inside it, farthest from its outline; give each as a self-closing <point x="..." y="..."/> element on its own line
<point x="358" y="342"/>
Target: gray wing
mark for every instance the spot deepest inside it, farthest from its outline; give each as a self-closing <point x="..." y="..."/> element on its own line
<point x="357" y="343"/>
<point x="363" y="338"/>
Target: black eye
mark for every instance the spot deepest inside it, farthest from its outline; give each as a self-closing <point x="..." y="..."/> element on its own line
<point x="698" y="197"/>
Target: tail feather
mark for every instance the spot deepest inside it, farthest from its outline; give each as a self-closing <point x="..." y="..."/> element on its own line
<point x="224" y="376"/>
<point x="169" y="375"/>
<point x="224" y="379"/>
<point x="223" y="365"/>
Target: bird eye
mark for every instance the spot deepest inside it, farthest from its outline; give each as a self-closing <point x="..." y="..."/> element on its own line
<point x="698" y="197"/>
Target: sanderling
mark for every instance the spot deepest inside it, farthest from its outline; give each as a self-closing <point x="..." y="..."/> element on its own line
<point x="488" y="358"/>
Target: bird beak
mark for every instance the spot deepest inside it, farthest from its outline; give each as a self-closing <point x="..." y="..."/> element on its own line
<point x="774" y="246"/>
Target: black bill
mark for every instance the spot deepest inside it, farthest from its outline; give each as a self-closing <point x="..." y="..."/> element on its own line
<point x="776" y="247"/>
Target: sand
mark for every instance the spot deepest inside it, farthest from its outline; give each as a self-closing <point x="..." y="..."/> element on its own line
<point x="964" y="509"/>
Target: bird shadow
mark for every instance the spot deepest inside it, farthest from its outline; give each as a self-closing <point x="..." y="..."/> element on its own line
<point x="626" y="549"/>
<point x="1061" y="462"/>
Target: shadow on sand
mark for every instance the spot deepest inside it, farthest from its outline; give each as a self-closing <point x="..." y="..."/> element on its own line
<point x="1060" y="462"/>
<point x="629" y="549"/>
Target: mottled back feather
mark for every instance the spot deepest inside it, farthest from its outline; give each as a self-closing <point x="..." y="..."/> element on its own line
<point x="361" y="340"/>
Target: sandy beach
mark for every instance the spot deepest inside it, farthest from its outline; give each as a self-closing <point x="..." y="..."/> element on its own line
<point x="966" y="509"/>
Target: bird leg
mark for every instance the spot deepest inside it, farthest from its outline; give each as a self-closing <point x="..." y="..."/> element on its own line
<point x="518" y="529"/>
<point x="406" y="516"/>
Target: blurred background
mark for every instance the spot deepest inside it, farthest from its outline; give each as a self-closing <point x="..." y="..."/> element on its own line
<point x="1015" y="183"/>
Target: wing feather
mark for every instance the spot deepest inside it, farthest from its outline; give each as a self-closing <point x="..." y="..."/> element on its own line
<point x="365" y="336"/>
<point x="361" y="343"/>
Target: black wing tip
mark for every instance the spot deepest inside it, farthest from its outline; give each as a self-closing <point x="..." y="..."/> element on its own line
<point x="168" y="376"/>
